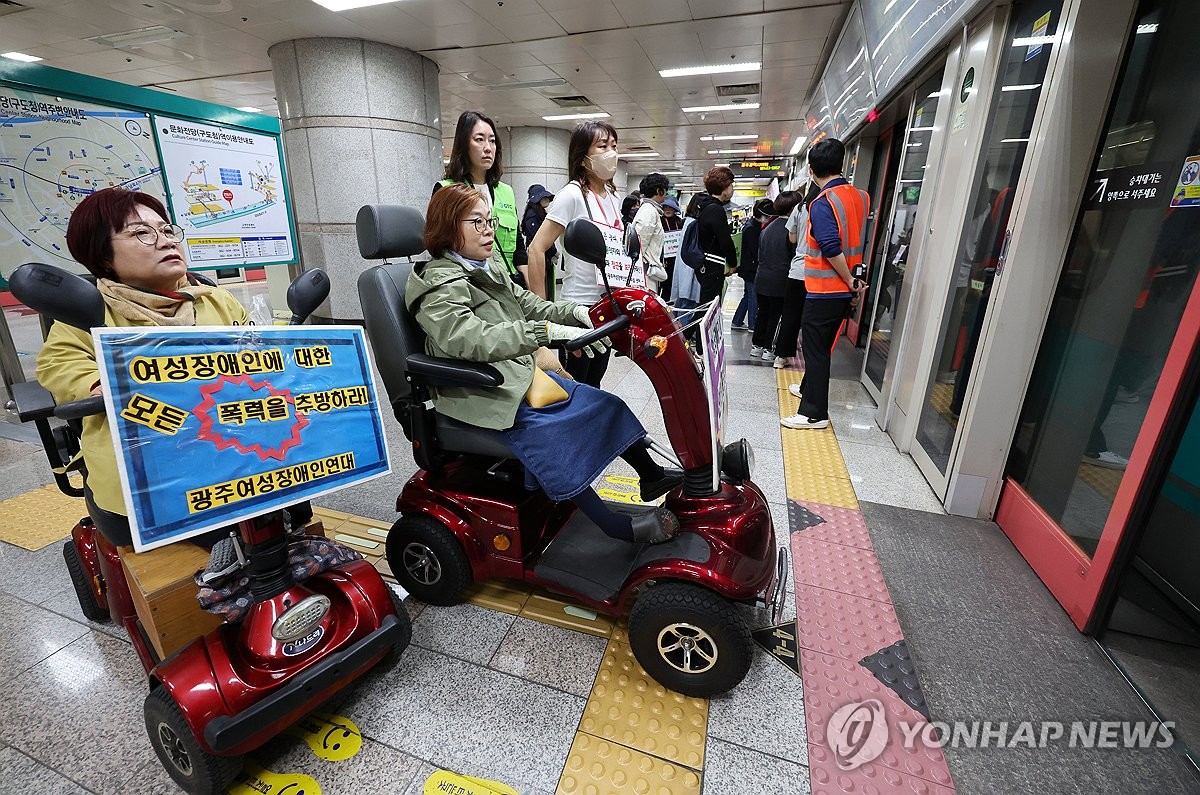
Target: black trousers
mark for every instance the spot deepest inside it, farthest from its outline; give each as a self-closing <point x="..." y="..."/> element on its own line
<point x="585" y="369"/>
<point x="770" y="307"/>
<point x="822" y="318"/>
<point x="789" y="321"/>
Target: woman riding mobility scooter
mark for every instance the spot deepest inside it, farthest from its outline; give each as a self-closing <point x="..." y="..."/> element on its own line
<point x="227" y="693"/>
<point x="466" y="515"/>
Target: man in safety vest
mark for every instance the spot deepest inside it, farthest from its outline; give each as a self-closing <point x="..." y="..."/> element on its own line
<point x="834" y="242"/>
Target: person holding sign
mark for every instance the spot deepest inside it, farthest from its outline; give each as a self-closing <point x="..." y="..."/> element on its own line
<point x="125" y="239"/>
<point x="476" y="161"/>
<point x="591" y="163"/>
<point x="564" y="432"/>
<point x="648" y="225"/>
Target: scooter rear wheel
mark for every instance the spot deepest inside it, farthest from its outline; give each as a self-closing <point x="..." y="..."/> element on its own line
<point x="194" y="769"/>
<point x="690" y="639"/>
<point x="427" y="560"/>
<point x="92" y="610"/>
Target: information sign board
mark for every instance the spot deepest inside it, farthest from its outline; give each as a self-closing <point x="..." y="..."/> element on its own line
<point x="215" y="425"/>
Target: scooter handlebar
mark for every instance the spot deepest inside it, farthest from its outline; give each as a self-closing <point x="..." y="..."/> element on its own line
<point x="611" y="327"/>
<point x="80" y="408"/>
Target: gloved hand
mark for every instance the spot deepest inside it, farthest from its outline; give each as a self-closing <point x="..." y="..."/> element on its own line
<point x="585" y="319"/>
<point x="556" y="332"/>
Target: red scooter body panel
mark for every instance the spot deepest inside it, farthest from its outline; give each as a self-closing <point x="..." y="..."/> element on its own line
<point x="225" y="672"/>
<point x="682" y="396"/>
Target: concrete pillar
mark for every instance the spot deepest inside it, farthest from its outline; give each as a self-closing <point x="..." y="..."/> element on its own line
<point x="360" y="125"/>
<point x="534" y="156"/>
<point x="621" y="180"/>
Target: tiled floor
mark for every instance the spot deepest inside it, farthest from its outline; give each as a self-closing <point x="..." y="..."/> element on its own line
<point x="481" y="692"/>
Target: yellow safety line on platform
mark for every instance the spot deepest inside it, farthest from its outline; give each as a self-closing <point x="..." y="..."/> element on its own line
<point x="36" y="518"/>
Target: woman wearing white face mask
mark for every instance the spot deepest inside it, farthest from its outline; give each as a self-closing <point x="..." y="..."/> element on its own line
<point x="592" y="163"/>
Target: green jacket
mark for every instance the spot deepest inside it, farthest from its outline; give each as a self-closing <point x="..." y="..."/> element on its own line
<point x="479" y="315"/>
<point x="67" y="367"/>
<point x="509" y="250"/>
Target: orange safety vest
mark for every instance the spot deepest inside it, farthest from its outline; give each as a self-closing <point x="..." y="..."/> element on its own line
<point x="850" y="207"/>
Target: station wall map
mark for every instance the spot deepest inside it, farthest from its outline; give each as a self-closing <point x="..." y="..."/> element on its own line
<point x="226" y="188"/>
<point x="54" y="152"/>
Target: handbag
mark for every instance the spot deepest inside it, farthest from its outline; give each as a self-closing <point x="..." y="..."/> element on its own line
<point x="544" y="391"/>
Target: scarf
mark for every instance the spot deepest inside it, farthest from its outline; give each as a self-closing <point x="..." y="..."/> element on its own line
<point x="143" y="306"/>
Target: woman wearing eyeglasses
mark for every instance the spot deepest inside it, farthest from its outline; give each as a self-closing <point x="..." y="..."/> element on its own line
<point x="136" y="254"/>
<point x="564" y="432"/>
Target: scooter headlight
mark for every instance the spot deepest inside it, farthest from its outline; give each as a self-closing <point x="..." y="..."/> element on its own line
<point x="737" y="460"/>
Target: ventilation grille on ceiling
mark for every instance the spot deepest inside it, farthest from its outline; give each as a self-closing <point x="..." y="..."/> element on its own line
<point x="638" y="148"/>
<point x="9" y="7"/>
<point x="577" y="101"/>
<point x="738" y="90"/>
<point x="138" y="37"/>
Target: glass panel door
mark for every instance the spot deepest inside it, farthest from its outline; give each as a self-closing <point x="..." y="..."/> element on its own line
<point x="882" y="185"/>
<point x="1121" y="296"/>
<point x="891" y="248"/>
<point x="1014" y="104"/>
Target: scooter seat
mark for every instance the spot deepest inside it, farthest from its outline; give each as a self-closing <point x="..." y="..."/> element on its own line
<point x="459" y="437"/>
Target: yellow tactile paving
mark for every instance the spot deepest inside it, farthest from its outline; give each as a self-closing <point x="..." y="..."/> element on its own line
<point x="1104" y="481"/>
<point x="34" y="519"/>
<point x="598" y="767"/>
<point x="786" y="377"/>
<point x="629" y="708"/>
<point x="502" y="595"/>
<point x="821" y="489"/>
<point x="551" y="609"/>
<point x="940" y="396"/>
<point x="813" y="452"/>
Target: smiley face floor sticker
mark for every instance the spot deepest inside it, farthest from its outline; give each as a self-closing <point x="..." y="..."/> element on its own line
<point x="254" y="780"/>
<point x="443" y="782"/>
<point x="331" y="737"/>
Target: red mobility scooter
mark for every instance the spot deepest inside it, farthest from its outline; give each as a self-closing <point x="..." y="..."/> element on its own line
<point x="226" y="693"/>
<point x="466" y="515"/>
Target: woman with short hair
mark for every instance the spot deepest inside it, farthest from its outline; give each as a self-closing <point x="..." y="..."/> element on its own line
<point x="564" y="432"/>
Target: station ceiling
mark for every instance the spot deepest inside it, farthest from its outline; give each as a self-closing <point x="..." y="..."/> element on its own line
<point x="509" y="58"/>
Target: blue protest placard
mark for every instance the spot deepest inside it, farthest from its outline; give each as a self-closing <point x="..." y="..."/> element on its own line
<point x="215" y="425"/>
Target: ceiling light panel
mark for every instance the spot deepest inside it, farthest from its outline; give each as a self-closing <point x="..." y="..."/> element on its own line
<point x="716" y="69"/>
<point x="713" y="108"/>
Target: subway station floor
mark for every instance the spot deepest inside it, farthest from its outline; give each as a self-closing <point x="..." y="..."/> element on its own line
<point x="496" y="694"/>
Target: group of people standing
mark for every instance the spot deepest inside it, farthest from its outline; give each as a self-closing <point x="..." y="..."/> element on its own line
<point x="798" y="251"/>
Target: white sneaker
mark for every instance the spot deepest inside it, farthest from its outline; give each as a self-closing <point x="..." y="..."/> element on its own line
<point x="768" y="355"/>
<point x="799" y="422"/>
<point x="795" y="390"/>
<point x="755" y="352"/>
<point x="1107" y="459"/>
<point x="780" y="362"/>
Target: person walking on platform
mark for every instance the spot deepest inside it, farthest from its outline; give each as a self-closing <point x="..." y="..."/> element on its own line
<point x="793" y="298"/>
<point x="774" y="259"/>
<point x="591" y="164"/>
<point x="834" y="242"/>
<point x="476" y="161"/>
<point x="647" y="222"/>
<point x="715" y="237"/>
<point x="746" y="313"/>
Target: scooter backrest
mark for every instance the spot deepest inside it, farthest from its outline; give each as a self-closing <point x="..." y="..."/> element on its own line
<point x="584" y="241"/>
<point x="389" y="230"/>
<point x="58" y="294"/>
<point x="392" y="331"/>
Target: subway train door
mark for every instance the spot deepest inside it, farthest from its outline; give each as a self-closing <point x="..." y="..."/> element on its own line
<point x="994" y="96"/>
<point x="898" y="199"/>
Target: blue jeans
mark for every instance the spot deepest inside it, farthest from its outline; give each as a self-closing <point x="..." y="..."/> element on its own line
<point x="747" y="310"/>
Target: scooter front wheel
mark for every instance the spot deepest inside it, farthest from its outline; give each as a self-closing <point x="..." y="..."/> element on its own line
<point x="690" y="639"/>
<point x="427" y="560"/>
<point x="194" y="769"/>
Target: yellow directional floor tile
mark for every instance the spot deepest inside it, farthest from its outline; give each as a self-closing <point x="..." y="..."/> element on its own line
<point x="812" y="452"/>
<point x="551" y="609"/>
<point x="598" y="767"/>
<point x="630" y="708"/>
<point x="821" y="489"/>
<point x="34" y="519"/>
<point x="787" y="376"/>
<point x="506" y="596"/>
